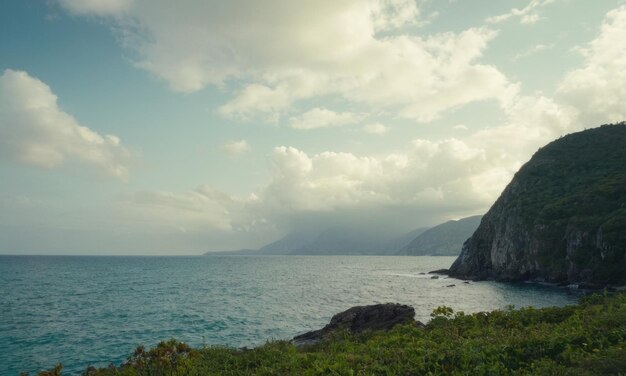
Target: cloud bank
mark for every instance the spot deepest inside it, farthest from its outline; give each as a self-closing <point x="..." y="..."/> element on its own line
<point x="275" y="61"/>
<point x="281" y="53"/>
<point x="598" y="88"/>
<point x="322" y="118"/>
<point x="34" y="131"/>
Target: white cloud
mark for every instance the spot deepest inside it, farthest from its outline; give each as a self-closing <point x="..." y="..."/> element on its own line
<point x="533" y="50"/>
<point x="256" y="98"/>
<point x="598" y="89"/>
<point x="336" y="49"/>
<point x="392" y="14"/>
<point x="328" y="183"/>
<point x="36" y="132"/>
<point x="532" y="121"/>
<point x="530" y="18"/>
<point x="235" y="148"/>
<point x="97" y="7"/>
<point x="280" y="52"/>
<point x="204" y="207"/>
<point x="322" y="118"/>
<point x="527" y="15"/>
<point x="449" y="174"/>
<point x="428" y="179"/>
<point x="376" y="128"/>
<point x="422" y="78"/>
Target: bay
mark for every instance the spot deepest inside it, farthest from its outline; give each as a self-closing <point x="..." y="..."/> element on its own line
<point x="84" y="311"/>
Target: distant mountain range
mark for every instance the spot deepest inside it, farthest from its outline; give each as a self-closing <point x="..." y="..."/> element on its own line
<point x="443" y="240"/>
<point x="339" y="241"/>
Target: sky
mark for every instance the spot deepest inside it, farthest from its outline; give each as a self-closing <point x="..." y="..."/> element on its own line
<point x="157" y="127"/>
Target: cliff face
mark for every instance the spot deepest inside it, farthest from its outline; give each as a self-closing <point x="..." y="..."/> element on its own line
<point x="561" y="219"/>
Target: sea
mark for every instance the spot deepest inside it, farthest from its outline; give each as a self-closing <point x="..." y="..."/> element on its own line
<point x="82" y="311"/>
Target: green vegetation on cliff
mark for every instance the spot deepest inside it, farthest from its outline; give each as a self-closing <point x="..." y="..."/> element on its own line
<point x="582" y="196"/>
<point x="587" y="339"/>
<point x="561" y="219"/>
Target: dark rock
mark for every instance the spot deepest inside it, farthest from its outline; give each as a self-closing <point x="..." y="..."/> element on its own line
<point x="440" y="271"/>
<point x="434" y="277"/>
<point x="466" y="282"/>
<point x="359" y="319"/>
<point x="450" y="285"/>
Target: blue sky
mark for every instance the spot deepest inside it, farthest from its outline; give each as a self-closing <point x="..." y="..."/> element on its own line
<point x="152" y="127"/>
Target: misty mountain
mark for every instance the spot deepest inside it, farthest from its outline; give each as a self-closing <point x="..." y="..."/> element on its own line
<point x="401" y="241"/>
<point x="339" y="241"/>
<point x="289" y="243"/>
<point x="445" y="239"/>
<point x="352" y="242"/>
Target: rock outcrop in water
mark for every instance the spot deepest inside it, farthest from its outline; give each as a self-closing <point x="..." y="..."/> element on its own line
<point x="561" y="219"/>
<point x="359" y="319"/>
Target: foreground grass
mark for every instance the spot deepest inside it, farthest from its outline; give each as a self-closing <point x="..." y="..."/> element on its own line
<point x="586" y="339"/>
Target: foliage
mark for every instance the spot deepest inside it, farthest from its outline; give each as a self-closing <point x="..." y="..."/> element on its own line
<point x="572" y="193"/>
<point x="586" y="339"/>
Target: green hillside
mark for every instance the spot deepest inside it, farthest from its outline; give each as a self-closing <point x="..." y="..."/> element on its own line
<point x="561" y="219"/>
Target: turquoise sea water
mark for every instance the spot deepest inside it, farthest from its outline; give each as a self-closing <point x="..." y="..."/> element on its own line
<point x="84" y="311"/>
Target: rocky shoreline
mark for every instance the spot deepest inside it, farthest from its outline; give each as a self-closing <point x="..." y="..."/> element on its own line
<point x="576" y="286"/>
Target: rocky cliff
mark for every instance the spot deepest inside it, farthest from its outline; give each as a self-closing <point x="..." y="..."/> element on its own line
<point x="561" y="219"/>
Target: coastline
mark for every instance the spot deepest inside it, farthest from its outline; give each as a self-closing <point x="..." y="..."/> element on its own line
<point x="586" y="338"/>
<point x="230" y="301"/>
